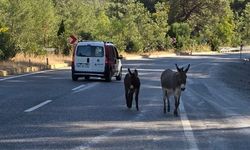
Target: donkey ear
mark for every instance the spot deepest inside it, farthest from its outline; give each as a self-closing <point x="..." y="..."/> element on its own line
<point x="129" y="71"/>
<point x="186" y="70"/>
<point x="136" y="72"/>
<point x="178" y="69"/>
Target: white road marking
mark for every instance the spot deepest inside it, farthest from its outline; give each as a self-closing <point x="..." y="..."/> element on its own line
<point x="188" y="131"/>
<point x="16" y="81"/>
<point x="76" y="88"/>
<point x="97" y="140"/>
<point x="24" y="75"/>
<point x="84" y="87"/>
<point x="60" y="78"/>
<point x="38" y="106"/>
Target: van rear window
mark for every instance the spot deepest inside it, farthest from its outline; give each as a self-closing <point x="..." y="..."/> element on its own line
<point x="90" y="51"/>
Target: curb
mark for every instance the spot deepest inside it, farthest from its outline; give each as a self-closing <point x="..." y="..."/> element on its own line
<point x="56" y="66"/>
<point x="4" y="73"/>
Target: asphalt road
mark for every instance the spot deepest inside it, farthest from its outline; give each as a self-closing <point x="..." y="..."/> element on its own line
<point x="47" y="110"/>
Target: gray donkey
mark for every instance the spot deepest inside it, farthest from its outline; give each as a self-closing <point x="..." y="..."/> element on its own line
<point x="132" y="86"/>
<point x="173" y="83"/>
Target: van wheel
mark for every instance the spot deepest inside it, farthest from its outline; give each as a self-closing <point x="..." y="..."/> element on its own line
<point x="86" y="77"/>
<point x="119" y="77"/>
<point x="74" y="77"/>
<point x="108" y="76"/>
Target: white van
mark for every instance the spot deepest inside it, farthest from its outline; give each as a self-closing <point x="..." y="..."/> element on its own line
<point x="96" y="58"/>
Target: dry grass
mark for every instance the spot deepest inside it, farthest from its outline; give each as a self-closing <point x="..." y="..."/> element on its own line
<point x="21" y="61"/>
<point x="151" y="53"/>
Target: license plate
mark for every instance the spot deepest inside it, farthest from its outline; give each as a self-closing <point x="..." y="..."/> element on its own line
<point x="83" y="65"/>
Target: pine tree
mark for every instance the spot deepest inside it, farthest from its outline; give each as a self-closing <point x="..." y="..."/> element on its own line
<point x="61" y="29"/>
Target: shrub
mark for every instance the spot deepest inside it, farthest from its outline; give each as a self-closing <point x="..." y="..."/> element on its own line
<point x="8" y="48"/>
<point x="181" y="31"/>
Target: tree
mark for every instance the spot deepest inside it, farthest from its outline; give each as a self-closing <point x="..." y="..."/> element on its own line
<point x="117" y="8"/>
<point x="238" y="6"/>
<point x="221" y="29"/>
<point x="127" y="24"/>
<point x="136" y="29"/>
<point x="150" y="4"/>
<point x="197" y="13"/>
<point x="102" y="27"/>
<point x="159" y="27"/>
<point x="245" y="25"/>
<point x="8" y="48"/>
<point x="181" y="31"/>
<point x="61" y="29"/>
<point x="31" y="23"/>
<point x="61" y="43"/>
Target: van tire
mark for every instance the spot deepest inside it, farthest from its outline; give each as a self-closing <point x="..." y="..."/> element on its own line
<point x="74" y="77"/>
<point x="119" y="77"/>
<point x="86" y="77"/>
<point x="108" y="76"/>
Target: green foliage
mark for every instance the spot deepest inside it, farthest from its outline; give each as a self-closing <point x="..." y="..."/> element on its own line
<point x="238" y="6"/>
<point x="8" y="49"/>
<point x="246" y="25"/>
<point x="220" y="29"/>
<point x="85" y="36"/>
<point x="136" y="29"/>
<point x="62" y="46"/>
<point x="31" y="23"/>
<point x="61" y="29"/>
<point x="158" y="28"/>
<point x="133" y="25"/>
<point x="103" y="26"/>
<point x="181" y="31"/>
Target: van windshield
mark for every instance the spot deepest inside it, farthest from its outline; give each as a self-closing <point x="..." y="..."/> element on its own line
<point x="90" y="51"/>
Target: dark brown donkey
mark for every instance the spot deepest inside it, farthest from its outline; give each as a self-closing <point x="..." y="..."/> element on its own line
<point x="132" y="86"/>
<point x="173" y="83"/>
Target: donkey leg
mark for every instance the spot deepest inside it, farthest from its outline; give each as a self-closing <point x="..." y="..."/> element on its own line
<point x="136" y="99"/>
<point x="127" y="97"/>
<point x="129" y="101"/>
<point x="130" y="98"/>
<point x="168" y="103"/>
<point x="164" y="101"/>
<point x="177" y="102"/>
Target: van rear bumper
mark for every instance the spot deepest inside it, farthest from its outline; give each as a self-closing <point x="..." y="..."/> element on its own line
<point x="94" y="74"/>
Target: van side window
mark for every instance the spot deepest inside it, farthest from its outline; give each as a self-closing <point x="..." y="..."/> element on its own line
<point x="112" y="53"/>
<point x="116" y="52"/>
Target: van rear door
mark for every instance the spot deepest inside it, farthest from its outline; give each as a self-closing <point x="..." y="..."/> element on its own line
<point x="90" y="58"/>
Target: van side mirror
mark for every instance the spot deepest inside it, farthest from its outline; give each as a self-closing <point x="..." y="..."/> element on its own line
<point x="120" y="57"/>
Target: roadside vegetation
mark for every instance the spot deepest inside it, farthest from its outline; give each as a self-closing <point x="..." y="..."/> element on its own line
<point x="30" y="28"/>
